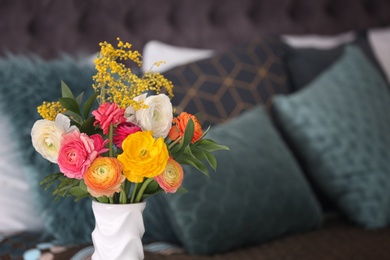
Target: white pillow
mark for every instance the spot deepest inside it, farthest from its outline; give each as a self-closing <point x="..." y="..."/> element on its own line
<point x="318" y="41"/>
<point x="17" y="211"/>
<point x="155" y="51"/>
<point x="380" y="44"/>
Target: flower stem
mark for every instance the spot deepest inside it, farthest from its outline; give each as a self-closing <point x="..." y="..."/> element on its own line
<point x="134" y="192"/>
<point x="174" y="142"/>
<point x="127" y="186"/>
<point x="122" y="197"/>
<point x="110" y="138"/>
<point x="142" y="190"/>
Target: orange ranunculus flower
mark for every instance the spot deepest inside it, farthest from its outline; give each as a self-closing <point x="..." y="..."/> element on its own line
<point x="104" y="177"/>
<point x="143" y="156"/>
<point x="180" y="124"/>
<point x="171" y="178"/>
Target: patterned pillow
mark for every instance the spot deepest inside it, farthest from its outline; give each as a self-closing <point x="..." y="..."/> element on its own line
<point x="224" y="86"/>
<point x="340" y="127"/>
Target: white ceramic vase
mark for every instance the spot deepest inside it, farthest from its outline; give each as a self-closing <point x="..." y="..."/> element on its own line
<point x="118" y="231"/>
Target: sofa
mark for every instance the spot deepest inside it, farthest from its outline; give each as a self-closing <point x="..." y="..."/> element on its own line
<point x="299" y="91"/>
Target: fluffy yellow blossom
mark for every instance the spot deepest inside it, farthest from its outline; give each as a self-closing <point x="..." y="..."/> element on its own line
<point x="49" y="110"/>
<point x="117" y="83"/>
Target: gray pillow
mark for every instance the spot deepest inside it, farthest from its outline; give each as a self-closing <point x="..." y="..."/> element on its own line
<point x="340" y="127"/>
<point x="257" y="194"/>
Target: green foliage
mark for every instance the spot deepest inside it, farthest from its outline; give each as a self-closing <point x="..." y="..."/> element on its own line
<point x="79" y="113"/>
<point x="195" y="154"/>
<point x="63" y="185"/>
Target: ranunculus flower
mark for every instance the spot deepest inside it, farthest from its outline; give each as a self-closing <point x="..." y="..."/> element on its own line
<point x="46" y="136"/>
<point x="108" y="114"/>
<point x="122" y="131"/>
<point x="76" y="154"/>
<point x="171" y="178"/>
<point x="157" y="117"/>
<point x="180" y="124"/>
<point x="99" y="143"/>
<point x="104" y="177"/>
<point x="143" y="156"/>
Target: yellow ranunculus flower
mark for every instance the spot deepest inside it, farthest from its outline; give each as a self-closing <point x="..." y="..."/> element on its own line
<point x="143" y="156"/>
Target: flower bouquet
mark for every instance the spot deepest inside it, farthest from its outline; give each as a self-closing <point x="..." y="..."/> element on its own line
<point x="124" y="142"/>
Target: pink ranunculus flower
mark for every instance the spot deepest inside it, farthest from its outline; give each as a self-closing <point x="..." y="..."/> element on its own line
<point x="122" y="131"/>
<point x="172" y="176"/>
<point x="76" y="154"/>
<point x="99" y="143"/>
<point x="108" y="114"/>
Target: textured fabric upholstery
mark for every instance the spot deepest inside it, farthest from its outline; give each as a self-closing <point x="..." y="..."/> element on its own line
<point x="340" y="125"/>
<point x="47" y="27"/>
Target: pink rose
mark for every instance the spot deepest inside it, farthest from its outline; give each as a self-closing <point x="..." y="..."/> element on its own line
<point x="76" y="154"/>
<point x="108" y="114"/>
<point x="122" y="131"/>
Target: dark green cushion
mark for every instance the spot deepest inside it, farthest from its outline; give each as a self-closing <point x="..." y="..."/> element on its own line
<point x="25" y="82"/>
<point x="257" y="194"/>
<point x="305" y="64"/>
<point x="340" y="127"/>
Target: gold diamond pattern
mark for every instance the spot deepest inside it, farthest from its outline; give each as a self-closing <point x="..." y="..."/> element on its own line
<point x="224" y="86"/>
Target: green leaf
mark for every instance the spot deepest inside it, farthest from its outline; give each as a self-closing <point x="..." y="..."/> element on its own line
<point x="144" y="196"/>
<point x="199" y="154"/>
<point x="70" y="104"/>
<point x="49" y="180"/>
<point x="103" y="199"/>
<point x="78" y="121"/>
<point x="152" y="188"/>
<point x="205" y="132"/>
<point x="88" y="104"/>
<point x="65" y="90"/>
<point x="78" y="192"/>
<point x="190" y="160"/>
<point x="210" y="146"/>
<point x="188" y="134"/>
<point x="79" y="99"/>
<point x="83" y="186"/>
<point x="211" y="160"/>
<point x="181" y="189"/>
<point x="64" y="186"/>
<point x="174" y="150"/>
<point x="88" y="126"/>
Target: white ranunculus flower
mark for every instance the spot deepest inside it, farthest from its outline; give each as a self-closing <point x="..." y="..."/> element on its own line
<point x="130" y="111"/>
<point x="157" y="117"/>
<point x="46" y="136"/>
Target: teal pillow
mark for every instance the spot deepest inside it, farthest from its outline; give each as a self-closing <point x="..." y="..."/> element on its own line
<point x="339" y="126"/>
<point x="257" y="194"/>
<point x="25" y="82"/>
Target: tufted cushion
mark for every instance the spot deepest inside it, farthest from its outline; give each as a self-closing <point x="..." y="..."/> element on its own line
<point x="340" y="126"/>
<point x="25" y="82"/>
<point x="225" y="85"/>
<point x="257" y="194"/>
<point x="49" y="27"/>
